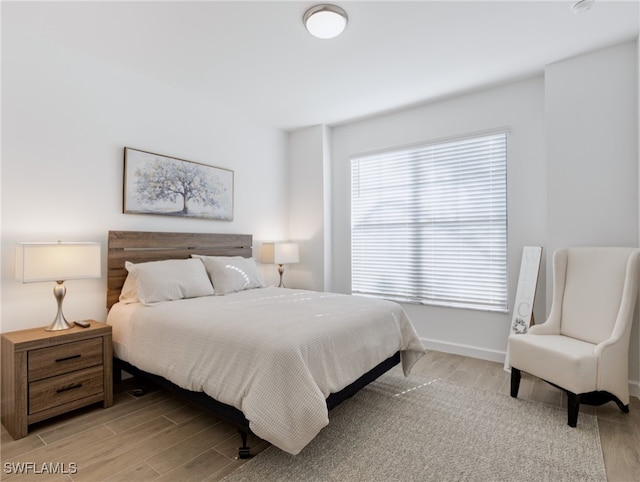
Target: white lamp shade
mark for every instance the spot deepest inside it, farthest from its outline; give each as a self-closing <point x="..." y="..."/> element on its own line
<point x="57" y="261"/>
<point x="279" y="253"/>
<point x="325" y="21"/>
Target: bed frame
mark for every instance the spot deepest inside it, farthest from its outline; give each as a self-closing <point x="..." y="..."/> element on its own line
<point x="143" y="246"/>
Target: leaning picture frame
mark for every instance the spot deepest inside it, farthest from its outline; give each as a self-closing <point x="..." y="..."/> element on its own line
<point x="169" y="186"/>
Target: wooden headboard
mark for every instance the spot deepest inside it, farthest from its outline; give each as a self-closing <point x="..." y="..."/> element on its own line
<point x="142" y="246"/>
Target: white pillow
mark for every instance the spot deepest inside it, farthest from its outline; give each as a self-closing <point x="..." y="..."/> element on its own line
<point x="171" y="279"/>
<point x="129" y="291"/>
<point x="231" y="273"/>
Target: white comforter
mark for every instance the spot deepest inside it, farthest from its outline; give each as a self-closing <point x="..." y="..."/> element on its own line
<point x="275" y="354"/>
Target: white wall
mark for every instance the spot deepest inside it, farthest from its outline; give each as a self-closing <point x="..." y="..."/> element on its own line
<point x="65" y="120"/>
<point x="306" y="203"/>
<point x="591" y="124"/>
<point x="592" y="155"/>
<point x="519" y="106"/>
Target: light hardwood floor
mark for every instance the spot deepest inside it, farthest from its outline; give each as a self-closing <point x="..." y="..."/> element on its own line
<point x="159" y="437"/>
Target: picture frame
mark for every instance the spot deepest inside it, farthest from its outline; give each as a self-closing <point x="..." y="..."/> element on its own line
<point x="169" y="186"/>
<point x="525" y="294"/>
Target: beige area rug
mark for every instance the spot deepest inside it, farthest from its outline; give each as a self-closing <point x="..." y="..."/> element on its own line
<point x="413" y="429"/>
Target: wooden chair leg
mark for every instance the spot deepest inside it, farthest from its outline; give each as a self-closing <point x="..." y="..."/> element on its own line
<point x="515" y="382"/>
<point x="573" y="406"/>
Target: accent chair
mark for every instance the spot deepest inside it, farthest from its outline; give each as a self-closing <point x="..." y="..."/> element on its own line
<point x="583" y="346"/>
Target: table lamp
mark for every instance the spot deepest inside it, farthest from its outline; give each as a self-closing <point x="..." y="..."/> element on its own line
<point x="36" y="262"/>
<point x="280" y="254"/>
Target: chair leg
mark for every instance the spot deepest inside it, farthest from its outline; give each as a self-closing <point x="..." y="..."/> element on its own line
<point x="623" y="407"/>
<point x="573" y="406"/>
<point x="600" y="398"/>
<point x="515" y="382"/>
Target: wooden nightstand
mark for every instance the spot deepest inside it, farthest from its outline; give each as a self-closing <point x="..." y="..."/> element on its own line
<point x="47" y="373"/>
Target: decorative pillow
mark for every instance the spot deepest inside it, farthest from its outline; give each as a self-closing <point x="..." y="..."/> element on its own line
<point x="171" y="279"/>
<point x="231" y="273"/>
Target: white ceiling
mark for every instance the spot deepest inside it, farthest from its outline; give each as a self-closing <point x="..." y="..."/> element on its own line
<point x="393" y="53"/>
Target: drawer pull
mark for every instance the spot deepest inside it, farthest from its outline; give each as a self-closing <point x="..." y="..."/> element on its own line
<point x="67" y="358"/>
<point x="69" y="387"/>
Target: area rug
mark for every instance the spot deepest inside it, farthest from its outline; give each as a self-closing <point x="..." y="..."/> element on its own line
<point x="413" y="429"/>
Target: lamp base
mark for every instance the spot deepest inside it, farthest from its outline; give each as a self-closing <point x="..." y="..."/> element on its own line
<point x="281" y="272"/>
<point x="59" y="325"/>
<point x="59" y="322"/>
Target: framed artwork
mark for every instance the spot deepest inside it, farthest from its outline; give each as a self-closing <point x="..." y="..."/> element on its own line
<point x="156" y="184"/>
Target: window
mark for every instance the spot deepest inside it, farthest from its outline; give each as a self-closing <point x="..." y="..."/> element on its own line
<point x="429" y="223"/>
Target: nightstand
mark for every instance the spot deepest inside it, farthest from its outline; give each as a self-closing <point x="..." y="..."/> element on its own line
<point x="48" y="373"/>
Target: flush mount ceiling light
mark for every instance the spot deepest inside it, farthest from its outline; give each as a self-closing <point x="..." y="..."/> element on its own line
<point x="581" y="6"/>
<point x="325" y="21"/>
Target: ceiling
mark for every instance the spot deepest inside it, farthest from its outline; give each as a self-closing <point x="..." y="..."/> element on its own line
<point x="392" y="54"/>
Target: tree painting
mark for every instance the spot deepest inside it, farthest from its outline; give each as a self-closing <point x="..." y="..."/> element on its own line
<point x="163" y="185"/>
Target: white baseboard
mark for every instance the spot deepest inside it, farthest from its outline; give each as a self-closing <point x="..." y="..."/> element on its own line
<point x="634" y="388"/>
<point x="491" y="355"/>
<point x="466" y="350"/>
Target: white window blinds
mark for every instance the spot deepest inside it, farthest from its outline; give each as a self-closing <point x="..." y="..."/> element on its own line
<point x="429" y="223"/>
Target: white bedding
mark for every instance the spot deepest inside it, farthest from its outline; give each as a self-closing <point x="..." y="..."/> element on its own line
<point x="276" y="354"/>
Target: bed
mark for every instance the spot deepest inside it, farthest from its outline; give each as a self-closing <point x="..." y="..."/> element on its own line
<point x="272" y="361"/>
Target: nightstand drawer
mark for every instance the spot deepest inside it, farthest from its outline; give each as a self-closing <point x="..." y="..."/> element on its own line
<point x="65" y="358"/>
<point x="55" y="391"/>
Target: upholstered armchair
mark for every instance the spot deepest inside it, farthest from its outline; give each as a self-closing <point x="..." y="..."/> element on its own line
<point x="583" y="346"/>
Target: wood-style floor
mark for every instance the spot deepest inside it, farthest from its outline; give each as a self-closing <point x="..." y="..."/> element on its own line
<point x="159" y="437"/>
